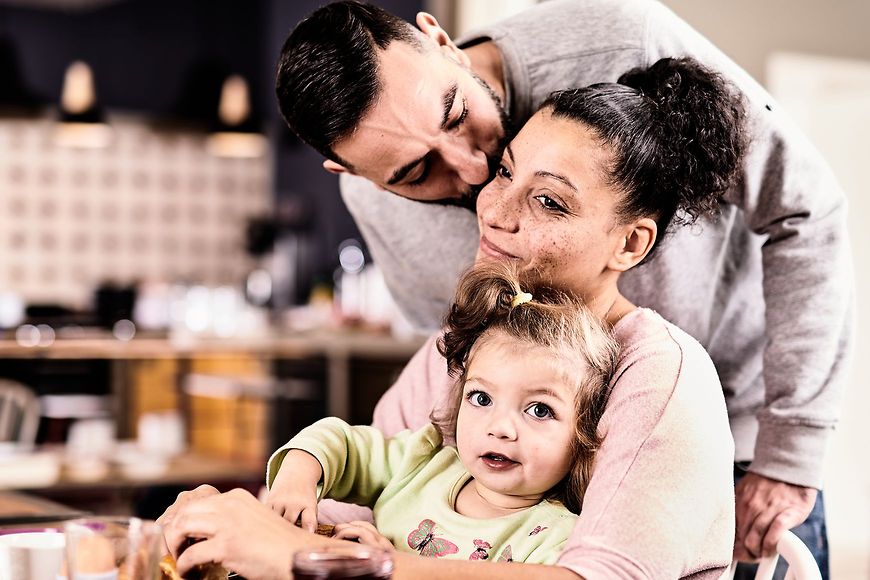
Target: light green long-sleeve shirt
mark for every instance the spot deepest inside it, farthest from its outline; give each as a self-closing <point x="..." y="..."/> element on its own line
<point x="411" y="481"/>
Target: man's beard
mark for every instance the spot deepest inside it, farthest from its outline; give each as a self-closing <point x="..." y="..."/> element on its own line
<point x="468" y="198"/>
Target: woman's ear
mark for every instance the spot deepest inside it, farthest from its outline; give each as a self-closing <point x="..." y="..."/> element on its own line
<point x="430" y="27"/>
<point x="636" y="242"/>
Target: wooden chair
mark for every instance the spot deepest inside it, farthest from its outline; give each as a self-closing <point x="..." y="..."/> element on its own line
<point x="801" y="564"/>
<point x="19" y="413"/>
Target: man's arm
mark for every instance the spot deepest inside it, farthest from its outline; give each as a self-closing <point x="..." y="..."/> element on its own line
<point x="787" y="194"/>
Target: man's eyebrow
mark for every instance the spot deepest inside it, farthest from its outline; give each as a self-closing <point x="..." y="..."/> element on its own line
<point x="510" y="152"/>
<point x="448" y="99"/>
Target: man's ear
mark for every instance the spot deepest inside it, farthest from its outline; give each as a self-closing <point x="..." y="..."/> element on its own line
<point x="333" y="167"/>
<point x="337" y="168"/>
<point x="636" y="242"/>
<point x="430" y="27"/>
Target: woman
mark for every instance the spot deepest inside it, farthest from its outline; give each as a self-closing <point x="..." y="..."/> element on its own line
<point x="585" y="192"/>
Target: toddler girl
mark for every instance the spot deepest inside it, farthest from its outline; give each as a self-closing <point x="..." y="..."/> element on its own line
<point x="501" y="471"/>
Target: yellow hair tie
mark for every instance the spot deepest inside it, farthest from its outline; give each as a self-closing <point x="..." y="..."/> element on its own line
<point x="521" y="298"/>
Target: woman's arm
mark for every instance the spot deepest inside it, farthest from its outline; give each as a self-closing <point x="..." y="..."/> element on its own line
<point x="660" y="503"/>
<point x="413" y="567"/>
<point x="422" y="386"/>
<point x="245" y="536"/>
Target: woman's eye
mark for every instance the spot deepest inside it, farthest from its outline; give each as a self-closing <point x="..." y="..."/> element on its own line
<point x="548" y="203"/>
<point x="503" y="171"/>
<point x="479" y="399"/>
<point x="540" y="411"/>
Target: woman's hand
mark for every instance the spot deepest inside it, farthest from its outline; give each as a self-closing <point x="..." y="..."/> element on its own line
<point x="184" y="498"/>
<point x="364" y="532"/>
<point x="293" y="494"/>
<point x="238" y="532"/>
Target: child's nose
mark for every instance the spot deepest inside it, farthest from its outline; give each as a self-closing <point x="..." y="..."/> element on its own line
<point x="502" y="426"/>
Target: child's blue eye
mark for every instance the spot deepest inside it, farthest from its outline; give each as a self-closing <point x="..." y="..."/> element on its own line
<point x="540" y="411"/>
<point x="479" y="399"/>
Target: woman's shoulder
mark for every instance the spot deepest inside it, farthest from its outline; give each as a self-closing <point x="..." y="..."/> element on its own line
<point x="644" y="334"/>
<point x="659" y="359"/>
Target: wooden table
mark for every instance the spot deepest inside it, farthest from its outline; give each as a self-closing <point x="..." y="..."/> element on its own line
<point x="19" y="509"/>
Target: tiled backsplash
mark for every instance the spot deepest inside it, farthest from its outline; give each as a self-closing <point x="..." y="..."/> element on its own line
<point x="152" y="206"/>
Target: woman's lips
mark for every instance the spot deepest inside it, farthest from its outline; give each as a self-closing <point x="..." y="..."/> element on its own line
<point x="493" y="251"/>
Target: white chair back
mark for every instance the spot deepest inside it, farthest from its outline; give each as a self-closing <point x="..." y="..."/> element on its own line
<point x="801" y="564"/>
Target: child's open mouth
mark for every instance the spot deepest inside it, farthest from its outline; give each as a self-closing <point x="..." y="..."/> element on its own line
<point x="497" y="461"/>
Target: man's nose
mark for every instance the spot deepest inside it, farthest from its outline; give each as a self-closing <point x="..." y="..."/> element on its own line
<point x="470" y="164"/>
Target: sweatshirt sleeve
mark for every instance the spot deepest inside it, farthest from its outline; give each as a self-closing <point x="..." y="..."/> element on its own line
<point x="358" y="461"/>
<point x="790" y="196"/>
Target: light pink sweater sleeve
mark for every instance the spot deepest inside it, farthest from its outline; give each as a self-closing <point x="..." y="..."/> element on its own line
<point x="661" y="500"/>
<point x="422" y="386"/>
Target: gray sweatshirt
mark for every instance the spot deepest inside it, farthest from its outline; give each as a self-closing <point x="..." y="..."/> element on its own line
<point x="766" y="287"/>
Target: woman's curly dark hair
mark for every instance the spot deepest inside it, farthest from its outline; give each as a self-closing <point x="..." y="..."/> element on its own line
<point x="677" y="136"/>
<point x="554" y="320"/>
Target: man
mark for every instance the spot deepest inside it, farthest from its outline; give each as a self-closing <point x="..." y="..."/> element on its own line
<point x="766" y="288"/>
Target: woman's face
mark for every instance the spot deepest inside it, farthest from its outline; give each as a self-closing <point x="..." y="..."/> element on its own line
<point x="551" y="209"/>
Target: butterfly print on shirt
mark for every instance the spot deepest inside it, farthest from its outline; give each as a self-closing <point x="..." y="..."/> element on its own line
<point x="481" y="550"/>
<point x="424" y="541"/>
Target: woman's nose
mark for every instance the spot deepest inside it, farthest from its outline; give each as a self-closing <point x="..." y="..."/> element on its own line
<point x="497" y="208"/>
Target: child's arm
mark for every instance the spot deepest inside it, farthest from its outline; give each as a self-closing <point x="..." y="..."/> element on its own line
<point x="357" y="464"/>
<point x="293" y="493"/>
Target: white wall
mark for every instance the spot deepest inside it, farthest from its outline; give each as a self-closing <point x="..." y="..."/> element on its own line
<point x="750" y="30"/>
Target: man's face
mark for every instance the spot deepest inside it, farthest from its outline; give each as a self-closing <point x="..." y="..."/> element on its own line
<point x="435" y="132"/>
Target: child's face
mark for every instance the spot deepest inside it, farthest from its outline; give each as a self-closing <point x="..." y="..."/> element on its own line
<point x="516" y="419"/>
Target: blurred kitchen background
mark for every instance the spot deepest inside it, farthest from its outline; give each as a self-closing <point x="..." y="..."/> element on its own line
<point x="180" y="285"/>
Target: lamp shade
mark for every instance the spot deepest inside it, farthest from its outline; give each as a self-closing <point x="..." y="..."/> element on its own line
<point x="81" y="121"/>
<point x="236" y="134"/>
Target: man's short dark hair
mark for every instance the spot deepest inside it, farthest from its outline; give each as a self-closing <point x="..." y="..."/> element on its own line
<point x="327" y="77"/>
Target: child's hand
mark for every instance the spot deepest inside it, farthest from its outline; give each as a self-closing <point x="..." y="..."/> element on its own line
<point x="293" y="494"/>
<point x="364" y="532"/>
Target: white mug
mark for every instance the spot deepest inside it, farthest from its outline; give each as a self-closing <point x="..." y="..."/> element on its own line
<point x="31" y="555"/>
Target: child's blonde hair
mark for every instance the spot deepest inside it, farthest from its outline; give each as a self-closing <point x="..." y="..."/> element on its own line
<point x="493" y="297"/>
